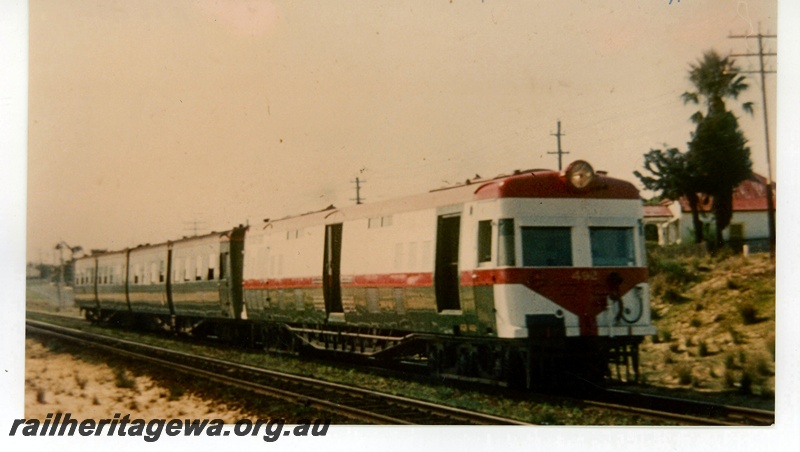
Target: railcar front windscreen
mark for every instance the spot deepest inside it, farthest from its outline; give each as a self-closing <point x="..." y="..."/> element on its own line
<point x="612" y="247"/>
<point x="546" y="247"/>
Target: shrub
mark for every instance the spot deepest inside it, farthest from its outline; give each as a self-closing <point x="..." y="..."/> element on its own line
<point x="730" y="378"/>
<point x="702" y="348"/>
<point x="730" y="361"/>
<point x="672" y="296"/>
<point x="749" y="313"/>
<point x="684" y="373"/>
<point x="81" y="381"/>
<point x="123" y="379"/>
<point x="176" y="391"/>
<point x="762" y="366"/>
<point x="746" y="383"/>
<point x="696" y="323"/>
<point x="655" y="315"/>
<point x="736" y="336"/>
<point x="771" y="345"/>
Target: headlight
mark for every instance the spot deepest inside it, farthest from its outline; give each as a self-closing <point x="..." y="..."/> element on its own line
<point x="579" y="174"/>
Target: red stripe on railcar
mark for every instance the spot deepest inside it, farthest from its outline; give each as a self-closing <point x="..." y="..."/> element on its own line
<point x="582" y="291"/>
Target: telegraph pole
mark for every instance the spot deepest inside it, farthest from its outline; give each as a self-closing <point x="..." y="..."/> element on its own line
<point x="558" y="136"/>
<point x="194" y="225"/>
<point x="60" y="247"/>
<point x="358" y="190"/>
<point x="761" y="54"/>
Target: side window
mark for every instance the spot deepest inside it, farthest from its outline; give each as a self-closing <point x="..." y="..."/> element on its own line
<point x="612" y="247"/>
<point x="484" y="241"/>
<point x="212" y="263"/>
<point x="399" y="300"/>
<point x="373" y="300"/>
<point x="506" y="255"/>
<point x="546" y="247"/>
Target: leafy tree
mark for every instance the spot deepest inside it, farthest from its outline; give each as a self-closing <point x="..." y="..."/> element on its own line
<point x="673" y="178"/>
<point x="718" y="151"/>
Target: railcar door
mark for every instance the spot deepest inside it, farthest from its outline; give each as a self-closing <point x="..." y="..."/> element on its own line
<point x="446" y="277"/>
<point x="224" y="280"/>
<point x="331" y="276"/>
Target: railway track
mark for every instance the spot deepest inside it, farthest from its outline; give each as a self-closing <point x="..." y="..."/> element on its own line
<point x="374" y="407"/>
<point x="357" y="403"/>
<point x="692" y="412"/>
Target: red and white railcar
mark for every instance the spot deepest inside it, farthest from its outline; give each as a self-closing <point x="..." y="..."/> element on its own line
<point x="523" y="278"/>
<point x="554" y="257"/>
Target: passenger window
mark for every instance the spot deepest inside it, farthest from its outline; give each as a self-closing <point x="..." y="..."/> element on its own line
<point x="484" y="241"/>
<point x="373" y="299"/>
<point x="399" y="300"/>
<point x="546" y="247"/>
<point x="506" y="254"/>
<point x="612" y="247"/>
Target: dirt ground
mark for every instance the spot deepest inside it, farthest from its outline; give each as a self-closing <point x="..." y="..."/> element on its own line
<point x="58" y="382"/>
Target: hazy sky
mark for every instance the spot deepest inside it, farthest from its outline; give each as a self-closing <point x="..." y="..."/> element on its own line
<point x="148" y="116"/>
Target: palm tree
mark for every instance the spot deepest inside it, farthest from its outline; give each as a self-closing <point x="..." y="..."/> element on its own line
<point x="715" y="79"/>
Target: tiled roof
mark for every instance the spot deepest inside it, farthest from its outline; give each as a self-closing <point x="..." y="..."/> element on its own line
<point x="750" y="195"/>
<point x="657" y="211"/>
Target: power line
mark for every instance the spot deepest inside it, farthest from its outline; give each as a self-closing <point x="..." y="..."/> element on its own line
<point x="761" y="54"/>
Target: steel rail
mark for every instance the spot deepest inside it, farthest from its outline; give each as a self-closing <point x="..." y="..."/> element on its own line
<point x="693" y="411"/>
<point x="358" y="403"/>
<point x="690" y="412"/>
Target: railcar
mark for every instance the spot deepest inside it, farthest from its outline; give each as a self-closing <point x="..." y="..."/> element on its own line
<point x="179" y="285"/>
<point x="522" y="278"/>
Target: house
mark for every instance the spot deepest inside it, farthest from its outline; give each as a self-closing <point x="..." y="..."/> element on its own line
<point x="749" y="224"/>
<point x="660" y="224"/>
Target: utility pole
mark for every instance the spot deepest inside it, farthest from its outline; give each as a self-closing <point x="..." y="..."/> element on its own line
<point x="761" y="54"/>
<point x="358" y="190"/>
<point x="558" y="136"/>
<point x="194" y="225"/>
<point x="60" y="247"/>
